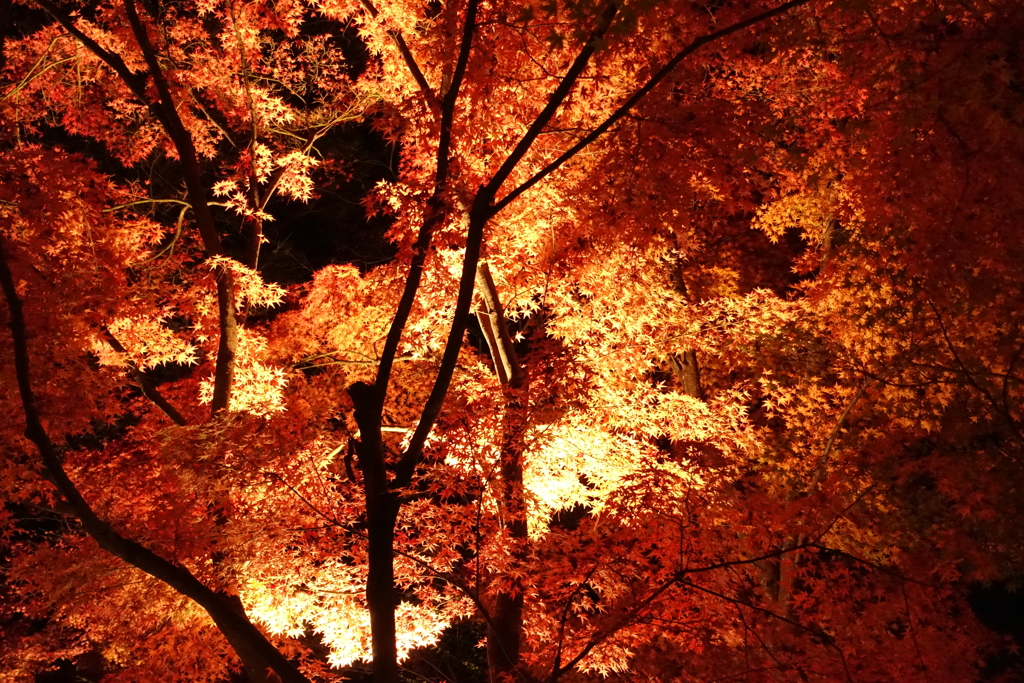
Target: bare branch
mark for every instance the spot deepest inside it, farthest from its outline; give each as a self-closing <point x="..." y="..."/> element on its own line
<point x="34" y="71"/>
<point x="136" y="202"/>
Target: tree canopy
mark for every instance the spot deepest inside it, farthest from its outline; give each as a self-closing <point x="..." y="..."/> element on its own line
<point x="689" y="349"/>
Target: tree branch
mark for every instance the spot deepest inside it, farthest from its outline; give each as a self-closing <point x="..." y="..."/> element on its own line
<point x="434" y="216"/>
<point x="557" y="662"/>
<point x="164" y="110"/>
<point x="226" y="309"/>
<point x="410" y="61"/>
<point x="229" y="617"/>
<point x="825" y="637"/>
<point x="635" y="98"/>
<point x="603" y="634"/>
<point x="969" y="375"/>
<point x="135" y="84"/>
<point x="819" y="471"/>
<point x="145" y="385"/>
<point x="505" y="630"/>
<point x="479" y="214"/>
<point x="678" y="578"/>
<point x="684" y="365"/>
<point x="577" y="68"/>
<point x="1005" y="393"/>
<point x="474" y="239"/>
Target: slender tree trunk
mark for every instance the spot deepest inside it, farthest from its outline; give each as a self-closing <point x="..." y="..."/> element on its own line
<point x="684" y="365"/>
<point x="382" y="507"/>
<point x="382" y="512"/>
<point x="505" y="626"/>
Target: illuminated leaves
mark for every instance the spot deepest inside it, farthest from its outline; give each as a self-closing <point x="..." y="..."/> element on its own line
<point x="251" y="287"/>
<point x="814" y="216"/>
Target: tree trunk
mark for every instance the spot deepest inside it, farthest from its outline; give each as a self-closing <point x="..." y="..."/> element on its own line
<point x="380" y="586"/>
<point x="505" y="627"/>
<point x="381" y="514"/>
<point x="687" y="372"/>
<point x="684" y="365"/>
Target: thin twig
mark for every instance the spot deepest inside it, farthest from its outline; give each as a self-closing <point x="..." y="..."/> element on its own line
<point x="819" y="471"/>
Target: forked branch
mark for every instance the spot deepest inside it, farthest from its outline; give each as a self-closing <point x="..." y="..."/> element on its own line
<point x="435" y="215"/>
<point x="484" y="206"/>
<point x="481" y="211"/>
<point x="636" y="97"/>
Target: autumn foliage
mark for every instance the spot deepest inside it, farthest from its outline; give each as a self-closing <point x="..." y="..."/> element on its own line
<point x="698" y="356"/>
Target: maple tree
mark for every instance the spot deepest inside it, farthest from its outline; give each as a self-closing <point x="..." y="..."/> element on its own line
<point x="697" y="359"/>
